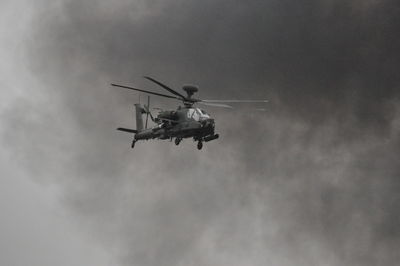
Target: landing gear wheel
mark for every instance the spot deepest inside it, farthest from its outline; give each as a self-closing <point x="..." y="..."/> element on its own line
<point x="133" y="144"/>
<point x="177" y="141"/>
<point x="199" y="145"/>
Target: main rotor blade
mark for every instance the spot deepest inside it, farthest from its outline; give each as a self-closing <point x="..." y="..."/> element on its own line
<point x="150" y="92"/>
<point x="235" y="101"/>
<point x="216" y="105"/>
<point x="165" y="87"/>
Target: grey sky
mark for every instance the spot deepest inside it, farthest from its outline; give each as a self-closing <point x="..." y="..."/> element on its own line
<point x="312" y="181"/>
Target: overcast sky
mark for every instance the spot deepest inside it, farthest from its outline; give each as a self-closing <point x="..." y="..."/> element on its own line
<point x="313" y="180"/>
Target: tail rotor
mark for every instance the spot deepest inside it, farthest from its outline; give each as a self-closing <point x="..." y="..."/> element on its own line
<point x="147" y="109"/>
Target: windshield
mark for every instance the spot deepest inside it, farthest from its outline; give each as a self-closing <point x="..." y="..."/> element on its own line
<point x="197" y="114"/>
<point x="203" y="114"/>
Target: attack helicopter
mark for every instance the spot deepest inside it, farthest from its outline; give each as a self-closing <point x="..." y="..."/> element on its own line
<point x="186" y="121"/>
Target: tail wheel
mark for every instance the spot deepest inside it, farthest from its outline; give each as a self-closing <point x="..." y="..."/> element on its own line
<point x="177" y="141"/>
<point x="133" y="144"/>
<point x="199" y="145"/>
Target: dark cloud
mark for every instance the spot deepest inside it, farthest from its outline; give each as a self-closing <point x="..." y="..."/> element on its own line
<point x="312" y="181"/>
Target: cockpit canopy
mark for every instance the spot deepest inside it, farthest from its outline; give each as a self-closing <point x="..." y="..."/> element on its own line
<point x="197" y="114"/>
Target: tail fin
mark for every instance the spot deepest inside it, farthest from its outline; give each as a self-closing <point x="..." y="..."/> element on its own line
<point x="139" y="120"/>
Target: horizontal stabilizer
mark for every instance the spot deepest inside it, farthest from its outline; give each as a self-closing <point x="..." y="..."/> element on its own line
<point x="127" y="130"/>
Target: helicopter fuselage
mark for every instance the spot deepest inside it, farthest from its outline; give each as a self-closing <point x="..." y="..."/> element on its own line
<point x="185" y="122"/>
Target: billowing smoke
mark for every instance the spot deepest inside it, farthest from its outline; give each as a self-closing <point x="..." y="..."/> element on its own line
<point x="314" y="180"/>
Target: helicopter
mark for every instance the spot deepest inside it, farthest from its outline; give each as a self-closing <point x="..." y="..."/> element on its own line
<point x="186" y="121"/>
